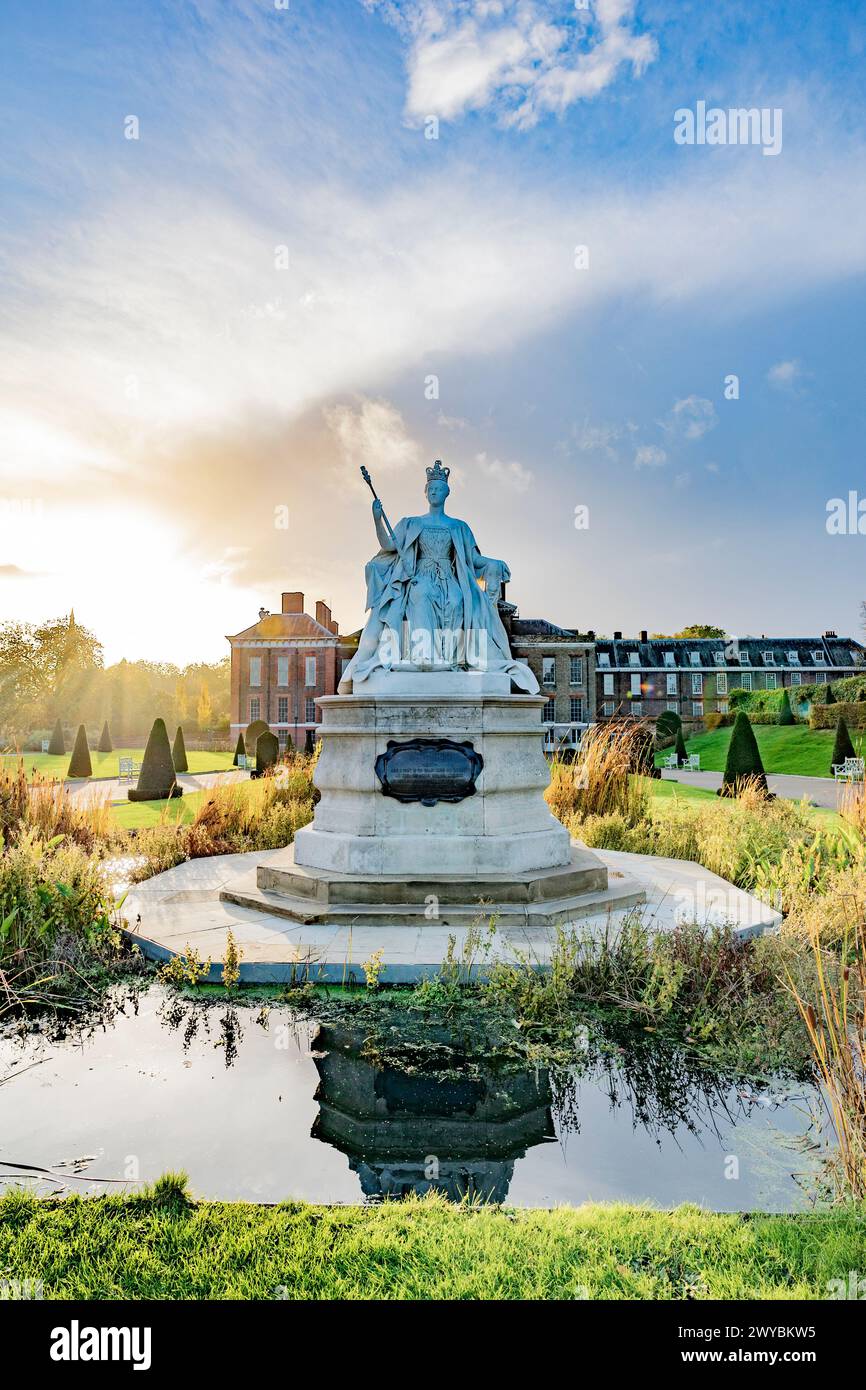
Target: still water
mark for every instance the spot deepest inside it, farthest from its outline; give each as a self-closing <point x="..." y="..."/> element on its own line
<point x="268" y="1108"/>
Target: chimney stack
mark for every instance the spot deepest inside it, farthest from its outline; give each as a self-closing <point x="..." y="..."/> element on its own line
<point x="323" y="614"/>
<point x="643" y="635"/>
<point x="293" y="603"/>
<point x="617" y="637"/>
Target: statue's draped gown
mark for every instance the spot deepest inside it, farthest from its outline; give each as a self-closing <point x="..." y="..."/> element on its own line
<point x="432" y="580"/>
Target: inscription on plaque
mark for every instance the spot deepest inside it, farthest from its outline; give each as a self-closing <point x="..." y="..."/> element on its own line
<point x="428" y="770"/>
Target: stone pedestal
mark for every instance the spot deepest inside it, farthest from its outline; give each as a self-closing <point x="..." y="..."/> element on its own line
<point x="372" y="860"/>
<point x="504" y="827"/>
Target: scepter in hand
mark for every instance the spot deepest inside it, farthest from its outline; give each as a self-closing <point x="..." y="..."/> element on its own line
<point x="369" y="481"/>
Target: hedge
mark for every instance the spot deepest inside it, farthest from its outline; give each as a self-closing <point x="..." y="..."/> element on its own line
<point x="826" y="716"/>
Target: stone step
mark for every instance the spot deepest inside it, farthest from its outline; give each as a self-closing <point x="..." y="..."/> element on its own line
<point x="584" y="873"/>
<point x="621" y="893"/>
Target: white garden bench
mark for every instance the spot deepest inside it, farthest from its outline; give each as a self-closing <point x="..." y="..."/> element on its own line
<point x="242" y="761"/>
<point x="670" y="761"/>
<point x="127" y="769"/>
<point x="694" y="762"/>
<point x="849" y="771"/>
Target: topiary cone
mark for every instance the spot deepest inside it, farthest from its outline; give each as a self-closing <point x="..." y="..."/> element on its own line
<point x="156" y="781"/>
<point x="786" y="714"/>
<point x="105" y="745"/>
<point x="744" y="759"/>
<point x="79" y="763"/>
<point x="57" y="746"/>
<point x="178" y="752"/>
<point x="240" y="750"/>
<point x="680" y="748"/>
<point x="267" y="752"/>
<point x="842" y="746"/>
<point x="253" y="730"/>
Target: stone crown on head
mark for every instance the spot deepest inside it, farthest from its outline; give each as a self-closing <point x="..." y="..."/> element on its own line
<point x="438" y="472"/>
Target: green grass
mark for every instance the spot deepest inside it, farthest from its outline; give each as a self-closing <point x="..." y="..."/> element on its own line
<point x="795" y="749"/>
<point x="106" y="764"/>
<point x="137" y="815"/>
<point x="160" y="1247"/>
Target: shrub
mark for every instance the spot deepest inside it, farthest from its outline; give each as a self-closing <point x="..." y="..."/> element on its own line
<point x="57" y="746"/>
<point x="829" y="697"/>
<point x="79" y="763"/>
<point x="257" y="727"/>
<point x="105" y="745"/>
<point x="157" y="781"/>
<point x="240" y="750"/>
<point x="786" y="714"/>
<point x="643" y="749"/>
<point x="267" y="752"/>
<point x="842" y="746"/>
<point x="178" y="752"/>
<point x="667" y="725"/>
<point x="713" y="720"/>
<point x="310" y="743"/>
<point x="743" y="766"/>
<point x="825" y="716"/>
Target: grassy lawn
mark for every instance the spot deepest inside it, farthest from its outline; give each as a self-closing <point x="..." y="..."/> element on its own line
<point x="793" y="749"/>
<point x="134" y="815"/>
<point x="151" y="1248"/>
<point x="106" y="764"/>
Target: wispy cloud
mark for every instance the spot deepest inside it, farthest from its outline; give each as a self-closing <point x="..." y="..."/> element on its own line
<point x="649" y="456"/>
<point x="691" y="418"/>
<point x="523" y="58"/>
<point x="511" y="475"/>
<point x="785" y="375"/>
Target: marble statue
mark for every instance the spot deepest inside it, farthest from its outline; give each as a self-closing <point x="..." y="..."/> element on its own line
<point x="431" y="597"/>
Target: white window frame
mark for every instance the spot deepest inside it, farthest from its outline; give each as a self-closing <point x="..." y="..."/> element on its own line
<point x="255" y="708"/>
<point x="793" y="658"/>
<point x="768" y="658"/>
<point x="722" y="706"/>
<point x="604" y="658"/>
<point x="637" y="708"/>
<point x="575" y="664"/>
<point x="697" y="709"/>
<point x="771" y="676"/>
<point x="670" y="659"/>
<point x="719" y="658"/>
<point x="255" y="672"/>
<point x="310" y="671"/>
<point x="548" y="672"/>
<point x="607" y="708"/>
<point x="607" y="685"/>
<point x="697" y="683"/>
<point x="819" y="658"/>
<point x="672" y="687"/>
<point x="282" y="671"/>
<point x="282" y="709"/>
<point x="796" y="677"/>
<point x="721" y="682"/>
<point x="746" y="676"/>
<point x="634" y="658"/>
<point x="576" y="700"/>
<point x="694" y="658"/>
<point x="673" y="706"/>
<point x="309" y="710"/>
<point x="635" y="686"/>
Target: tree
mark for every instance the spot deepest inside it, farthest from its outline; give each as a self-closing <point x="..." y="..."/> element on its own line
<point x="240" y="750"/>
<point x="743" y="765"/>
<point x="786" y="714"/>
<point x="701" y="630"/>
<point x="267" y="752"/>
<point x="310" y="742"/>
<point x="842" y="746"/>
<point x="667" y="725"/>
<point x="57" y="746"/>
<point x="105" y="744"/>
<point x="43" y="665"/>
<point x="178" y="752"/>
<point x="157" y="781"/>
<point x="79" y="763"/>
<point x="680" y="748"/>
<point x="829" y="695"/>
<point x="204" y="709"/>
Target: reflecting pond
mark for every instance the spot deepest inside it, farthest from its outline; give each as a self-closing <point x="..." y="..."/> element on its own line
<point x="265" y="1105"/>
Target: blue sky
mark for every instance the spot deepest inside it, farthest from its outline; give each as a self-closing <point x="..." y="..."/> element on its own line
<point x="166" y="389"/>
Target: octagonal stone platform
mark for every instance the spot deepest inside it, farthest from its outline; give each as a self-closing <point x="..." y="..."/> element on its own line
<point x="547" y="897"/>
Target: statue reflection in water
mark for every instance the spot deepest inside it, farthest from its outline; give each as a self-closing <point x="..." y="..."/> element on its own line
<point x="409" y="1132"/>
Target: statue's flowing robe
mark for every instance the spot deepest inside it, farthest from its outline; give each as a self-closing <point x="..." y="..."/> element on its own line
<point x="389" y="575"/>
